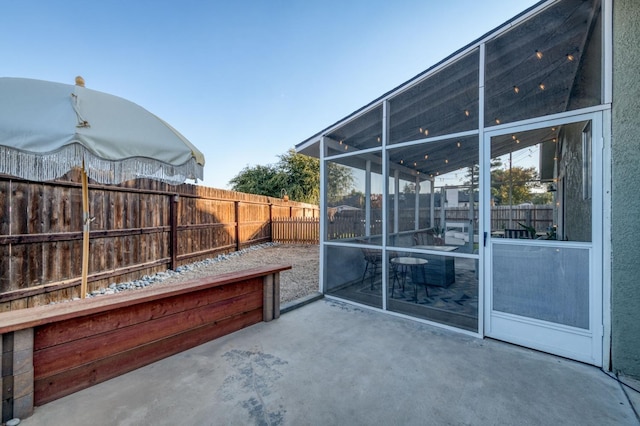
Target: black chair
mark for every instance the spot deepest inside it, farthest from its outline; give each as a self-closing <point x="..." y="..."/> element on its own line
<point x="373" y="259"/>
<point x="426" y="237"/>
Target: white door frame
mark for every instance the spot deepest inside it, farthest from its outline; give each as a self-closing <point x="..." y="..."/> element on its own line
<point x="598" y="284"/>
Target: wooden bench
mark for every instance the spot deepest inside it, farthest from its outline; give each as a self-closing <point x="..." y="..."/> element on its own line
<point x="55" y="350"/>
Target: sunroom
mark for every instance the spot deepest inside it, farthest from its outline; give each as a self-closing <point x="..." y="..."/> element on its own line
<point x="471" y="196"/>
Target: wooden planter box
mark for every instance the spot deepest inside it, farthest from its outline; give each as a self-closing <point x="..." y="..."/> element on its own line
<point x="52" y="351"/>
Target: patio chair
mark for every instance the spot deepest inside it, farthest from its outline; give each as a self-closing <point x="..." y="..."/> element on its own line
<point x="373" y="258"/>
<point x="426" y="237"/>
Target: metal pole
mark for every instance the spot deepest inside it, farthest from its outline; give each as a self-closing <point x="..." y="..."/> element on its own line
<point x="85" y="233"/>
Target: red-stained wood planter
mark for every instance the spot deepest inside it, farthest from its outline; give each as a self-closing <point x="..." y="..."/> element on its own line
<point x="51" y="351"/>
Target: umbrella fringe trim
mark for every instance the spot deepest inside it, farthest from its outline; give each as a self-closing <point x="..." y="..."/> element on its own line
<point x="52" y="165"/>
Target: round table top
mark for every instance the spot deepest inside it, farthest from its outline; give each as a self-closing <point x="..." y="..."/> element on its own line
<point x="411" y="261"/>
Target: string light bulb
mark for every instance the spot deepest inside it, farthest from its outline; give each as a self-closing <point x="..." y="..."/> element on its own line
<point x="426" y="156"/>
<point x="539" y="54"/>
<point x="497" y="120"/>
<point x="570" y="57"/>
<point x="541" y="86"/>
<point x="458" y="143"/>
<point x="426" y="132"/>
<point x="466" y="112"/>
<point x="516" y="89"/>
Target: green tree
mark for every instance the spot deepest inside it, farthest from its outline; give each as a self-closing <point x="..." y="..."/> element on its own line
<point x="541" y="198"/>
<point x="339" y="183"/>
<point x="297" y="174"/>
<point x="514" y="186"/>
<point x="409" y="188"/>
<point x="261" y="180"/>
<point x="473" y="173"/>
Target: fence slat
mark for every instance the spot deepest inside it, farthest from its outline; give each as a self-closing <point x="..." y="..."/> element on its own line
<point x="296" y="230"/>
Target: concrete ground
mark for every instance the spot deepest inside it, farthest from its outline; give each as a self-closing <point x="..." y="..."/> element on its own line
<point x="329" y="363"/>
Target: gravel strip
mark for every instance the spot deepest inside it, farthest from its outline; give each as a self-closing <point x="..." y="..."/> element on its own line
<point x="298" y="282"/>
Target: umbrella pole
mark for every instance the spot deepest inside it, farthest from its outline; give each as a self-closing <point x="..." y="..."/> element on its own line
<point x="85" y="233"/>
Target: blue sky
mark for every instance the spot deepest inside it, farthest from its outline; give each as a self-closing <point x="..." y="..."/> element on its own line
<point x="243" y="80"/>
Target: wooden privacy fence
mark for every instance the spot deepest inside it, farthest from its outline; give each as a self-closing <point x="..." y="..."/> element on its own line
<point x="138" y="228"/>
<point x="539" y="217"/>
<point x="296" y="230"/>
<point x="352" y="224"/>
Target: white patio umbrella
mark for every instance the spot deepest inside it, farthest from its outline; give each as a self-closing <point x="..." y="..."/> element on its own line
<point x="48" y="129"/>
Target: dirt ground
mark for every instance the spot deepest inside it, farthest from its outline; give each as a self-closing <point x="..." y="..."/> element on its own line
<point x="295" y="283"/>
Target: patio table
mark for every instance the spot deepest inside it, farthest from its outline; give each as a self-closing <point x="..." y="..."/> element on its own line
<point x="403" y="265"/>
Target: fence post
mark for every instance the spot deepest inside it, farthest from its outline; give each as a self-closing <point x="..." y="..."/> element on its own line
<point x="237" y="208"/>
<point x="271" y="221"/>
<point x="173" y="232"/>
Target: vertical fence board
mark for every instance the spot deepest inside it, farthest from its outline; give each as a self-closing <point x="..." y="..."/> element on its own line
<point x="5" y="204"/>
<point x="5" y="269"/>
<point x="19" y="209"/>
<point x="97" y="210"/>
<point x="52" y="209"/>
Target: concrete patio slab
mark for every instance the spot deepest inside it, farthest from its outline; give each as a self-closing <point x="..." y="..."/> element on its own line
<point x="330" y="363"/>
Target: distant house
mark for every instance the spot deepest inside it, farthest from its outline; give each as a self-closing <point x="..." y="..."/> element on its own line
<point x="555" y="88"/>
